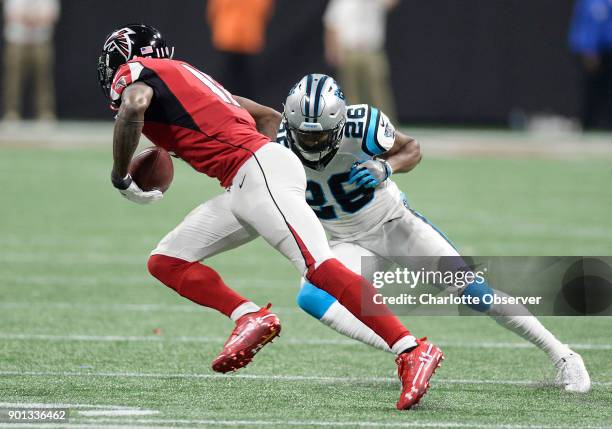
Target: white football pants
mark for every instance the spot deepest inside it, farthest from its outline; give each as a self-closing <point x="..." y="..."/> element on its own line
<point x="267" y="198"/>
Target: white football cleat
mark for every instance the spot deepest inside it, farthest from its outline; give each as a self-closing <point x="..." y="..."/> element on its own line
<point x="572" y="375"/>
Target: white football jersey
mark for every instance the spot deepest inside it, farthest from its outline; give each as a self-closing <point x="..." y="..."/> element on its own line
<point x="345" y="210"/>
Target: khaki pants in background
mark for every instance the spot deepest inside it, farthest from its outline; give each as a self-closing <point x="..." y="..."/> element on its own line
<point x="365" y="79"/>
<point x="23" y="61"/>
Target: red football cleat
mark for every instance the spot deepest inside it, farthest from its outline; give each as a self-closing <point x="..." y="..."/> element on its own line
<point x="252" y="332"/>
<point x="414" y="370"/>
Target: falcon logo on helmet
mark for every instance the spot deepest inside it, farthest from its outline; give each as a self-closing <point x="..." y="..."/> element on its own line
<point x="125" y="43"/>
<point x="120" y="42"/>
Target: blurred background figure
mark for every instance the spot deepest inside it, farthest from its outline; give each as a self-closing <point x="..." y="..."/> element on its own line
<point x="591" y="38"/>
<point x="239" y="32"/>
<point x="355" y="35"/>
<point x="28" y="54"/>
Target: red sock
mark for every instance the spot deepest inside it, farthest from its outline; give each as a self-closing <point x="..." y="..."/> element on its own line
<point x="351" y="290"/>
<point x="196" y="282"/>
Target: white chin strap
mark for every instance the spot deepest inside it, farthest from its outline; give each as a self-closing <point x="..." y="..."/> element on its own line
<point x="315" y="157"/>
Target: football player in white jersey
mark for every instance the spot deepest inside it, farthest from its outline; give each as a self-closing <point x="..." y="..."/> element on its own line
<point x="350" y="154"/>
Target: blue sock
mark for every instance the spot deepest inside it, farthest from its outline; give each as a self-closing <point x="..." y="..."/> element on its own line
<point x="314" y="301"/>
<point x="478" y="290"/>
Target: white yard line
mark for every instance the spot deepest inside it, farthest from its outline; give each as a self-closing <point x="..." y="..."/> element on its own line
<point x="146" y="339"/>
<point x="147" y="308"/>
<point x="288" y="378"/>
<point x="122" y="281"/>
<point x="126" y="425"/>
<point x="61" y="405"/>
<point x="292" y="341"/>
<point x="117" y="413"/>
<point x="68" y="280"/>
<point x="69" y="258"/>
<point x="280" y="378"/>
<point x="351" y="424"/>
<point x="155" y="424"/>
<point x="87" y="410"/>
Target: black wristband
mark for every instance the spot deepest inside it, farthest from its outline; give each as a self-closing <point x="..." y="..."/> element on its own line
<point x="121" y="183"/>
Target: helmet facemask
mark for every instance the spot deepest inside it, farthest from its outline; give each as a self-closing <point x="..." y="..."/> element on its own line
<point x="105" y="73"/>
<point x="314" y="146"/>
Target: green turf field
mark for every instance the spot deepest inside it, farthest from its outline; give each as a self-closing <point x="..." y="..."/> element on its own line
<point x="82" y="323"/>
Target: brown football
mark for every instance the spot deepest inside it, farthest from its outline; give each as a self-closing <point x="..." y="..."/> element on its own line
<point x="152" y="169"/>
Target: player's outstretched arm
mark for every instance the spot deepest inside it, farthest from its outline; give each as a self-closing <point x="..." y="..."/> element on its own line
<point x="404" y="155"/>
<point x="135" y="101"/>
<point x="267" y="119"/>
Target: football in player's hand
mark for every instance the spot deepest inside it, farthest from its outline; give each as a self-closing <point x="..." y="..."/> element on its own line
<point x="152" y="169"/>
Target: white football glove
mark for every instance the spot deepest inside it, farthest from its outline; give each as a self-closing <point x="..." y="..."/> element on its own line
<point x="137" y="195"/>
<point x="371" y="173"/>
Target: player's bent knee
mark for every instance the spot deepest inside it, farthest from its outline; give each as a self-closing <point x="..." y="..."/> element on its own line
<point x="478" y="290"/>
<point x="314" y="301"/>
<point x="157" y="266"/>
<point x="164" y="268"/>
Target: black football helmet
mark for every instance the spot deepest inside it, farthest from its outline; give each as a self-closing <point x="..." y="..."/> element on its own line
<point x="122" y="45"/>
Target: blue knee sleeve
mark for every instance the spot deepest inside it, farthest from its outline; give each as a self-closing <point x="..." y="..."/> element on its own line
<point x="479" y="290"/>
<point x="314" y="301"/>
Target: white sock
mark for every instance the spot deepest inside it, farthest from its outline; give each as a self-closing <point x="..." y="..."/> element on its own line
<point x="519" y="320"/>
<point x="343" y="321"/>
<point x="404" y="343"/>
<point x="242" y="309"/>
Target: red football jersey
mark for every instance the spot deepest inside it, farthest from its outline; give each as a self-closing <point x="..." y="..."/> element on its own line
<point x="192" y="116"/>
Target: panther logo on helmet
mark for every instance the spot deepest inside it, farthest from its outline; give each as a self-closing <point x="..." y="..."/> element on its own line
<point x="121" y="42"/>
<point x="339" y="93"/>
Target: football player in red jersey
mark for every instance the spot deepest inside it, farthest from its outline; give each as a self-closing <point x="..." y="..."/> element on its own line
<point x="186" y="112"/>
